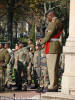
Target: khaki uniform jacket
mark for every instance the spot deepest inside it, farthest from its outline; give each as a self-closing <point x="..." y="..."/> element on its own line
<point x="32" y="48"/>
<point x="53" y="28"/>
<point x="4" y="58"/>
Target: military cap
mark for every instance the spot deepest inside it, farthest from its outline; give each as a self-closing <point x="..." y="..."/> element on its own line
<point x="19" y="42"/>
<point x="8" y="42"/>
<point x="31" y="40"/>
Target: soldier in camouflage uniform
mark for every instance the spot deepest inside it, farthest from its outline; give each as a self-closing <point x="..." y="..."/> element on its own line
<point x="31" y="45"/>
<point x="9" y="65"/>
<point x="14" y="72"/>
<point x="30" y="66"/>
<point x="36" y="66"/>
<point x="44" y="81"/>
<point x="21" y="71"/>
<point x="4" y="60"/>
<point x="26" y="61"/>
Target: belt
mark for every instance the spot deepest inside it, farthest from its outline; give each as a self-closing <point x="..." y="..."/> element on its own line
<point x="43" y="57"/>
<point x="43" y="64"/>
<point x="53" y="39"/>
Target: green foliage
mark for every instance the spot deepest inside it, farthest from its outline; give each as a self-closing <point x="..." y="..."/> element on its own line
<point x="23" y="40"/>
<point x="29" y="10"/>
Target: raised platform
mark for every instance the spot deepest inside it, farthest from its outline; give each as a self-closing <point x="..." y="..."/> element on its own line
<point x="57" y="96"/>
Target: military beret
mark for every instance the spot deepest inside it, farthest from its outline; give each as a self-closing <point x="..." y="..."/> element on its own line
<point x="38" y="44"/>
<point x="5" y="42"/>
<point x="19" y="42"/>
<point x="31" y="40"/>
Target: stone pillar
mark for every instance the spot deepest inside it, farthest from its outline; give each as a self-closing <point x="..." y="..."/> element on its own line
<point x="68" y="78"/>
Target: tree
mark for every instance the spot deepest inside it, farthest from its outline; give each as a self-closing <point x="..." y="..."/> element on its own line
<point x="30" y="11"/>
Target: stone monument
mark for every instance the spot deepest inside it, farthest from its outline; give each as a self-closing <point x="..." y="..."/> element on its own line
<point x="68" y="78"/>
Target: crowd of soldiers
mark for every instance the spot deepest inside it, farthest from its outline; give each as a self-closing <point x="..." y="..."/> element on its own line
<point x="19" y="67"/>
<point x="33" y="66"/>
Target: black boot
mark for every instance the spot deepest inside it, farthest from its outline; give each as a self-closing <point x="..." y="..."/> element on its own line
<point x="45" y="89"/>
<point x="24" y="88"/>
<point x="40" y="89"/>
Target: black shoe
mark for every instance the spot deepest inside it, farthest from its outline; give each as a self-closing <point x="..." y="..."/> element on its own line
<point x="9" y="86"/>
<point x="29" y="82"/>
<point x="52" y="90"/>
<point x="40" y="89"/>
<point x="45" y="89"/>
<point x="18" y="89"/>
<point x="32" y="86"/>
<point x="24" y="88"/>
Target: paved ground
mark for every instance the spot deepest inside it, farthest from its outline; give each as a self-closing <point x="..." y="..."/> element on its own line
<point x="24" y="95"/>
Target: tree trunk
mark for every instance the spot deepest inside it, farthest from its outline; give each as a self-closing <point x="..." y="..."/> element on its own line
<point x="15" y="30"/>
<point x="10" y="21"/>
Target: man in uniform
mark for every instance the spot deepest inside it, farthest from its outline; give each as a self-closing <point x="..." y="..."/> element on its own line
<point x="21" y="71"/>
<point x="52" y="48"/>
<point x="44" y="79"/>
<point x="30" y="67"/>
<point x="4" y="60"/>
<point x="31" y="45"/>
<point x="15" y="66"/>
<point x="9" y="65"/>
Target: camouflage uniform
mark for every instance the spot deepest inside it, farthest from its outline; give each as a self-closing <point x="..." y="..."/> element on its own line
<point x="24" y="69"/>
<point x="21" y="71"/>
<point x="32" y="49"/>
<point x="44" y="81"/>
<point x="35" y="67"/>
<point x="9" y="66"/>
<point x="4" y="59"/>
<point x="30" y="65"/>
<point x="14" y="73"/>
<point x="29" y="72"/>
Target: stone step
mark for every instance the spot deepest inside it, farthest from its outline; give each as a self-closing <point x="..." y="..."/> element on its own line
<point x="72" y="91"/>
<point x="56" y="96"/>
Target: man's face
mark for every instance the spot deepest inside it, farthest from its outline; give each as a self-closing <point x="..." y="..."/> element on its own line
<point x="16" y="47"/>
<point x="6" y="46"/>
<point x="20" y="45"/>
<point x="49" y="17"/>
<point x="29" y="42"/>
<point x="36" y="47"/>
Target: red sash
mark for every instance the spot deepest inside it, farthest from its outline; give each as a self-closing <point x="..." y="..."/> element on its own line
<point x="47" y="43"/>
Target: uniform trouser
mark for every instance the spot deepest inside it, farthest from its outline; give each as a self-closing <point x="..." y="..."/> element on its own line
<point x="2" y="78"/>
<point x="36" y="81"/>
<point x="9" y="74"/>
<point x="53" y="65"/>
<point x="29" y="72"/>
<point x="44" y="77"/>
<point x="21" y="75"/>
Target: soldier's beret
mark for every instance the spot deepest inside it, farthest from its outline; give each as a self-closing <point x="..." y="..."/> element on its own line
<point x="38" y="44"/>
<point x="5" y="42"/>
